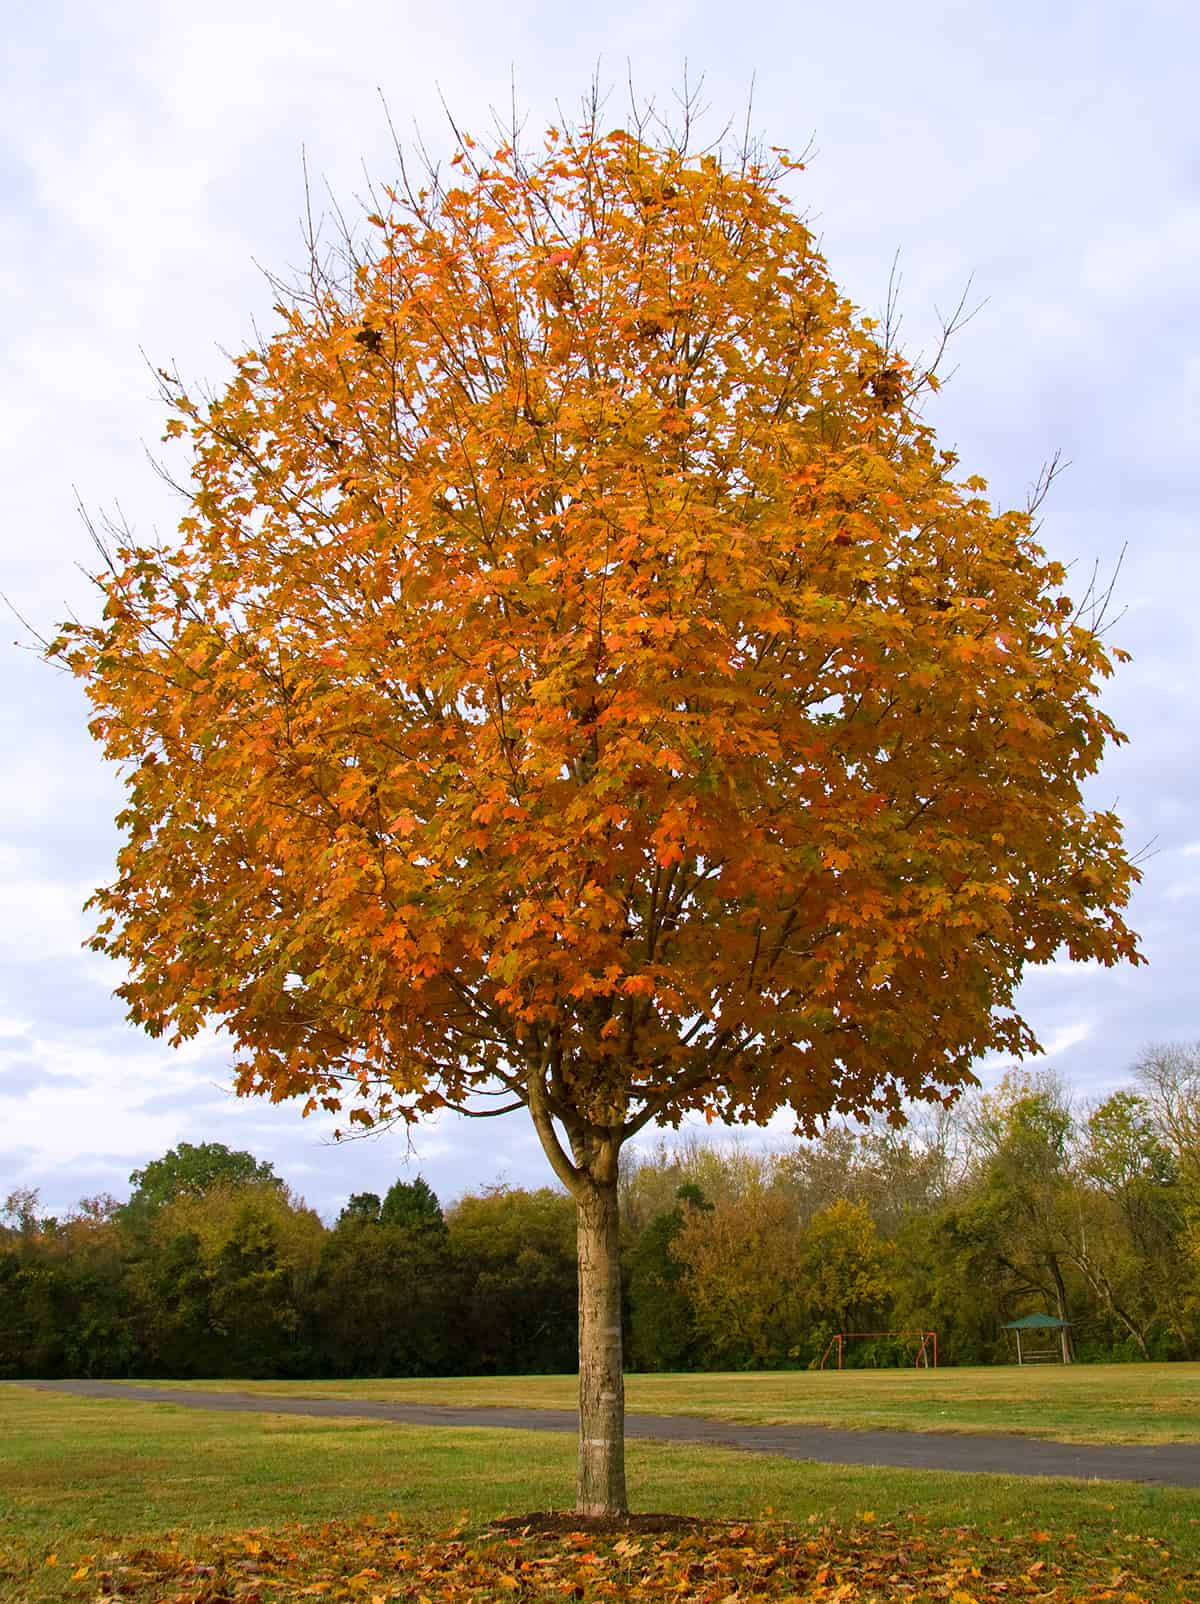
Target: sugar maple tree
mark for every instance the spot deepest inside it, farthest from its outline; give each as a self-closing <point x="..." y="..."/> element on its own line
<point x="581" y="683"/>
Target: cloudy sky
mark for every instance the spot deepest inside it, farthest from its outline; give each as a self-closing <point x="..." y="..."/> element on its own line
<point x="151" y="164"/>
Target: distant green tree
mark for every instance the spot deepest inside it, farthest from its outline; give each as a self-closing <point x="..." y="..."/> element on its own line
<point x="739" y="1264"/>
<point x="1169" y="1076"/>
<point x="178" y="1335"/>
<point x="229" y="1276"/>
<point x="1127" y="1233"/>
<point x="413" y="1205"/>
<point x="662" y="1334"/>
<point x="259" y="1293"/>
<point x="360" y="1206"/>
<point x="1021" y="1193"/>
<point x="191" y="1171"/>
<point x="516" y="1253"/>
<point x="65" y="1306"/>
<point x="97" y="1318"/>
<point x="845" y="1269"/>
<point x="948" y="1283"/>
<point x="32" y="1333"/>
<point x="387" y="1302"/>
<point x="31" y="1290"/>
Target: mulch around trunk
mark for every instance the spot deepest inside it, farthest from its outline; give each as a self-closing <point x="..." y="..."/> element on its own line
<point x="562" y="1522"/>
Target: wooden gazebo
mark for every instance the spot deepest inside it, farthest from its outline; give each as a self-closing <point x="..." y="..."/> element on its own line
<point x="1042" y="1322"/>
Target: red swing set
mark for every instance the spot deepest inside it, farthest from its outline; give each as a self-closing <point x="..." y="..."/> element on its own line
<point x="925" y="1352"/>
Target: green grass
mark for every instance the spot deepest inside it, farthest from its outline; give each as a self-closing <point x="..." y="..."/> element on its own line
<point x="1078" y="1403"/>
<point x="79" y="1477"/>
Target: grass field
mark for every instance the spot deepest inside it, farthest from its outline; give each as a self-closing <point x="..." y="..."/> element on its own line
<point x="80" y="1478"/>
<point x="1079" y="1403"/>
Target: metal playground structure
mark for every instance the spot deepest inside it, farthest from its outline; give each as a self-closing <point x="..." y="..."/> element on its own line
<point x="924" y="1346"/>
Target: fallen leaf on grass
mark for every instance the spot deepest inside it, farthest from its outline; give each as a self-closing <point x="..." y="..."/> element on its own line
<point x="875" y="1562"/>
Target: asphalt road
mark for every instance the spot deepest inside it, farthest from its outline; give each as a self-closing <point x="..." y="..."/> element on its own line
<point x="1177" y="1464"/>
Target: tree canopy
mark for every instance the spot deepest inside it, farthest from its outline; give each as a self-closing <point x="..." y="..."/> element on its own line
<point x="412" y="1204"/>
<point x="578" y="652"/>
<point x="188" y="1170"/>
<point x="582" y="682"/>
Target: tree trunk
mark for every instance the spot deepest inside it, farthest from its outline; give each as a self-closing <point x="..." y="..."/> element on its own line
<point x="1102" y="1288"/>
<point x="1060" y="1293"/>
<point x="601" y="1484"/>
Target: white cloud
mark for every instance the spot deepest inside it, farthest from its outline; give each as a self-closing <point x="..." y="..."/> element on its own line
<point x="1067" y="1036"/>
<point x="40" y="916"/>
<point x="99" y="1109"/>
<point x="1063" y="968"/>
<point x="1162" y="256"/>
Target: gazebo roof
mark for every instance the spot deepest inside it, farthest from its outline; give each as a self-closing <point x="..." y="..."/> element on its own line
<point x="1036" y="1322"/>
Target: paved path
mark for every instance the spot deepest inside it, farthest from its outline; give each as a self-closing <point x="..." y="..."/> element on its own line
<point x="1174" y="1463"/>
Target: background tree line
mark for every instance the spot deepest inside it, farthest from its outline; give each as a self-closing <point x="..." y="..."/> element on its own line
<point x="1009" y="1201"/>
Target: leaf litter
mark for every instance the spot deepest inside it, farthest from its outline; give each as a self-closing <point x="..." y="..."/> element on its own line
<point x="551" y="1556"/>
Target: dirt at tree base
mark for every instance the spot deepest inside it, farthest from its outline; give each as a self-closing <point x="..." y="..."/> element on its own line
<point x="562" y="1522"/>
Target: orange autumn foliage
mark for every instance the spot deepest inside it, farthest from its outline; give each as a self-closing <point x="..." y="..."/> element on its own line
<point x="580" y="674"/>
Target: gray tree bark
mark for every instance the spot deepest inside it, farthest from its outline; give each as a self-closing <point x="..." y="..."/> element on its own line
<point x="600" y="1488"/>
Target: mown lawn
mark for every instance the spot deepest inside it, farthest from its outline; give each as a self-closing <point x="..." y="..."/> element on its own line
<point x="90" y="1486"/>
<point x="1078" y="1403"/>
